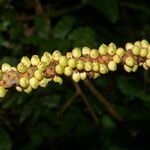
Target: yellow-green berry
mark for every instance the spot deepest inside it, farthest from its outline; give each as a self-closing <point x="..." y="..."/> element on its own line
<point x="138" y="43"/>
<point x="35" y="60"/>
<point x="128" y="46"/>
<point x="94" y="53"/>
<point x="80" y="65"/>
<point x="72" y="63"/>
<point x="25" y="60"/>
<point x="24" y="82"/>
<point x="5" y="67"/>
<point x="147" y="62"/>
<point x="113" y="45"/>
<point x="144" y="52"/>
<point x="86" y="50"/>
<point x="59" y="69"/>
<point x="127" y="68"/>
<point x="63" y="61"/>
<point x="18" y="88"/>
<point x="38" y="74"/>
<point x="22" y="67"/>
<point x="2" y="91"/>
<point x="135" y="67"/>
<point x="58" y="79"/>
<point x="76" y="52"/>
<point x="34" y="83"/>
<point x="88" y="66"/>
<point x="116" y="59"/>
<point x="68" y="71"/>
<point x="44" y="82"/>
<point x="56" y="55"/>
<point x="69" y="55"/>
<point x="120" y="52"/>
<point x="112" y="66"/>
<point x="130" y="61"/>
<point x="83" y="75"/>
<point x="95" y="66"/>
<point x="96" y="75"/>
<point x="46" y="58"/>
<point x="148" y="54"/>
<point x="135" y="50"/>
<point x="145" y="66"/>
<point x="42" y="66"/>
<point x="103" y="69"/>
<point x="28" y="90"/>
<point x="76" y="76"/>
<point x="111" y="50"/>
<point x="103" y="49"/>
<point x="144" y="43"/>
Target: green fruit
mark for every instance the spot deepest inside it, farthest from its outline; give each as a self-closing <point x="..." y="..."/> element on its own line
<point x="103" y="49"/>
<point x="38" y="74"/>
<point x="63" y="61"/>
<point x="103" y="69"/>
<point x="2" y="91"/>
<point x="76" y="76"/>
<point x="72" y="63"/>
<point x="147" y="62"/>
<point x="94" y="53"/>
<point x="128" y="46"/>
<point x="117" y="59"/>
<point x="80" y="65"/>
<point x="34" y="83"/>
<point x="83" y="75"/>
<point x="46" y="58"/>
<point x="112" y="66"/>
<point x="22" y="67"/>
<point x="5" y="67"/>
<point x="76" y="52"/>
<point x="42" y="66"/>
<point x="28" y="90"/>
<point x="120" y="52"/>
<point x="144" y="52"/>
<point x="1" y="74"/>
<point x="44" y="82"/>
<point x="144" y="43"/>
<point x="127" y="68"/>
<point x="35" y="60"/>
<point x="68" y="71"/>
<point x="26" y="61"/>
<point x="88" y="66"/>
<point x="86" y="51"/>
<point x="95" y="66"/>
<point x="138" y="43"/>
<point x="56" y="55"/>
<point x="59" y="69"/>
<point x="135" y="50"/>
<point x="130" y="61"/>
<point x="24" y="82"/>
<point x="111" y="50"/>
<point x="58" y="79"/>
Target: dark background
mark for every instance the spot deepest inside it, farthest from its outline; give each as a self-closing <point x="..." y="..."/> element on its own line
<point x="31" y="122"/>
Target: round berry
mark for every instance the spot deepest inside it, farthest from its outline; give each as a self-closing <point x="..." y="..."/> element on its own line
<point x="144" y="52"/>
<point x="76" y="76"/>
<point x="24" y="82"/>
<point x="72" y="63"/>
<point x="58" y="79"/>
<point x="5" y="67"/>
<point x="130" y="61"/>
<point x="2" y="91"/>
<point x="103" y="69"/>
<point x="34" y="83"/>
<point x="68" y="71"/>
<point x="95" y="66"/>
<point x="35" y="60"/>
<point x="86" y="51"/>
<point x="144" y="43"/>
<point x="103" y="49"/>
<point x="128" y="46"/>
<point x="94" y="53"/>
<point x="88" y="66"/>
<point x="63" y="61"/>
<point x="135" y="50"/>
<point x="112" y="66"/>
<point x="42" y="66"/>
<point x="59" y="69"/>
<point x="76" y="52"/>
<point x="38" y="74"/>
<point x="56" y="55"/>
<point x="127" y="68"/>
<point x="25" y="60"/>
<point x="22" y="67"/>
<point x="120" y="52"/>
<point x="80" y="65"/>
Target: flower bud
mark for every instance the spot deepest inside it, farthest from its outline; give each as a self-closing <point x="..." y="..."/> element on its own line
<point x="135" y="50"/>
<point x="144" y="52"/>
<point x="28" y="90"/>
<point x="144" y="43"/>
<point x="103" y="49"/>
<point x="35" y="60"/>
<point x="46" y="58"/>
<point x="42" y="66"/>
<point x="58" y="79"/>
<point x="83" y="75"/>
<point x="128" y="46"/>
<point x="95" y="66"/>
<point x="24" y="82"/>
<point x="72" y="63"/>
<point x="96" y="75"/>
<point x="63" y="61"/>
<point x="69" y="55"/>
<point x="130" y="61"/>
<point x="76" y="76"/>
<point x="120" y="52"/>
<point x="22" y="68"/>
<point x="68" y="71"/>
<point x="112" y="66"/>
<point x="103" y="69"/>
<point x="56" y="55"/>
<point x="38" y="74"/>
<point x="18" y="88"/>
<point x="80" y="65"/>
<point x="147" y="62"/>
<point x="76" y="52"/>
<point x="138" y="43"/>
<point x="43" y="83"/>
<point x="117" y="59"/>
<point x="34" y="83"/>
<point x="5" y="67"/>
<point x="2" y="91"/>
<point x="111" y="50"/>
<point x="88" y="66"/>
<point x="86" y="50"/>
<point x="127" y="68"/>
<point x="26" y="61"/>
<point x="59" y="69"/>
<point x="94" y="53"/>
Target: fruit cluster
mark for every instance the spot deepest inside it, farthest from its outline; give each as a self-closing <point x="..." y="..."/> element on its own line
<point x="78" y="65"/>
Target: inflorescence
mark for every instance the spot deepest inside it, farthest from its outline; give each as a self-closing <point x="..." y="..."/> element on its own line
<point x="78" y="64"/>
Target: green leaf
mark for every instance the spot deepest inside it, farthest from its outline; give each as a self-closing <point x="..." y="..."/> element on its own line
<point x="5" y="141"/>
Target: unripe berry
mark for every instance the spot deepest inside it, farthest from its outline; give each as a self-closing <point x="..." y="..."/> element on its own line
<point x="80" y="65"/>
<point x="46" y="58"/>
<point x="44" y="82"/>
<point x="22" y="67"/>
<point x="68" y="71"/>
<point x="72" y="63"/>
<point x="34" y="83"/>
<point x="135" y="50"/>
<point x="144" y="52"/>
<point x="127" y="68"/>
<point x="56" y="55"/>
<point x="86" y="50"/>
<point x="96" y="75"/>
<point x="94" y="53"/>
<point x="1" y="74"/>
<point x="76" y="52"/>
<point x="138" y="43"/>
<point x="120" y="52"/>
<point x="144" y="43"/>
<point x="38" y="74"/>
<point x="2" y="91"/>
<point x="18" y="88"/>
<point x="130" y="61"/>
<point x="117" y="59"/>
<point x="5" y="67"/>
<point x="111" y="50"/>
<point x="103" y="69"/>
<point x="76" y="76"/>
<point x="42" y="66"/>
<point x="58" y="79"/>
<point x="25" y="60"/>
<point x="35" y="60"/>
<point x="59" y="69"/>
<point x="88" y="66"/>
<point x="28" y="90"/>
<point x="24" y="82"/>
<point x="95" y="66"/>
<point x="103" y="49"/>
<point x="113" y="45"/>
<point x="135" y="67"/>
<point x="147" y="62"/>
<point x="83" y="75"/>
<point x="128" y="46"/>
<point x="69" y="55"/>
<point x="112" y="66"/>
<point x="63" y="61"/>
